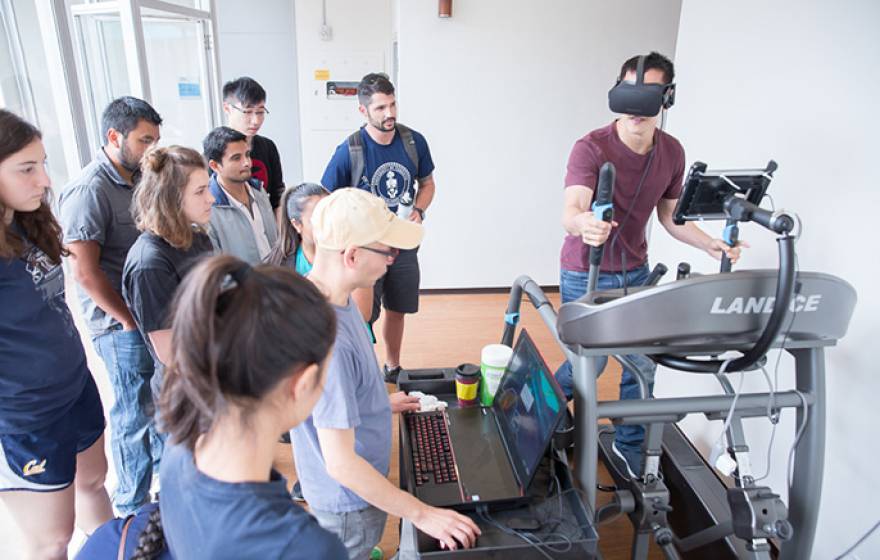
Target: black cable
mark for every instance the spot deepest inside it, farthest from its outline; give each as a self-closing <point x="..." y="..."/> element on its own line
<point x="483" y="512"/>
<point x="629" y="213"/>
<point x="632" y="205"/>
<point x="860" y="541"/>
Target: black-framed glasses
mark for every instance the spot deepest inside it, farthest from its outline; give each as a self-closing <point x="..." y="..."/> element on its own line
<point x="391" y="253"/>
<point x="258" y="112"/>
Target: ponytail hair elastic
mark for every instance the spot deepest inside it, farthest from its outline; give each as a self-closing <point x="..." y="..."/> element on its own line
<point x="240" y="274"/>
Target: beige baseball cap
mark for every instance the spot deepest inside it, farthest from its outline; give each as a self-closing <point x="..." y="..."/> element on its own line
<point x="352" y="217"/>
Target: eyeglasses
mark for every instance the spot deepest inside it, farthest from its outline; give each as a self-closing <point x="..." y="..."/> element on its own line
<point x="258" y="112"/>
<point x="390" y="254"/>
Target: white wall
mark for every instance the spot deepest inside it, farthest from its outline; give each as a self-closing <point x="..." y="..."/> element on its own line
<point x="502" y="90"/>
<point x="261" y="43"/>
<point x="361" y="43"/>
<point x="795" y="81"/>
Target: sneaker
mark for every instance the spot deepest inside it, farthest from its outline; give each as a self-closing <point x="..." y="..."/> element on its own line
<point x="632" y="460"/>
<point x="297" y="492"/>
<point x="391" y="373"/>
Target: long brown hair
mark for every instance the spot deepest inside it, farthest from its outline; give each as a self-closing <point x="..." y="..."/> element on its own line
<point x="39" y="227"/>
<point x="158" y="198"/>
<point x="226" y="316"/>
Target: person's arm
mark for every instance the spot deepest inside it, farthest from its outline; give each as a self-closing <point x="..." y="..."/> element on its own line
<point x="349" y="469"/>
<point x="276" y="177"/>
<point x="578" y="219"/>
<point x="338" y="172"/>
<point x="424" y="197"/>
<point x="161" y="341"/>
<point x="84" y="259"/>
<point x="691" y="234"/>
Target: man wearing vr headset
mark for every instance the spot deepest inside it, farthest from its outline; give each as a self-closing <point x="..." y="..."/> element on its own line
<point x="650" y="167"/>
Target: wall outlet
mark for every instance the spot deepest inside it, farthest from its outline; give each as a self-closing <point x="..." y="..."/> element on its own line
<point x="326" y="33"/>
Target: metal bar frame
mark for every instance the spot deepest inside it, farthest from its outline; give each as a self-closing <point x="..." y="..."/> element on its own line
<point x="805" y="492"/>
<point x="58" y="44"/>
<point x="19" y="65"/>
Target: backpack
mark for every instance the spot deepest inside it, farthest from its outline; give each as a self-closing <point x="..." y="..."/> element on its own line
<point x="356" y="152"/>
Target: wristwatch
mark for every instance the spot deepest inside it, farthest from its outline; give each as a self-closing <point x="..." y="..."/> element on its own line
<point x="420" y="211"/>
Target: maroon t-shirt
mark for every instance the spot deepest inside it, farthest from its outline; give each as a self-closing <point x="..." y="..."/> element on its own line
<point x="664" y="180"/>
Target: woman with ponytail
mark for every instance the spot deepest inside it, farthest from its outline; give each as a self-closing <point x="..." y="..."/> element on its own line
<point x="172" y="207"/>
<point x="224" y="401"/>
<point x="295" y="245"/>
<point x="51" y="418"/>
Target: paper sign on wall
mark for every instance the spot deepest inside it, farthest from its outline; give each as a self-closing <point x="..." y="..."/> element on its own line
<point x="188" y="89"/>
<point x="322" y="74"/>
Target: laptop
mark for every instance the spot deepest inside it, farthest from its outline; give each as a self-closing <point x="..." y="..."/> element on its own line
<point x="482" y="455"/>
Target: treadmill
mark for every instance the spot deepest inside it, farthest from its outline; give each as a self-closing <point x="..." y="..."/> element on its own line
<point x="687" y="325"/>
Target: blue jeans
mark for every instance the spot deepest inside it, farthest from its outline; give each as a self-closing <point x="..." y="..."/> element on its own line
<point x="135" y="443"/>
<point x="573" y="285"/>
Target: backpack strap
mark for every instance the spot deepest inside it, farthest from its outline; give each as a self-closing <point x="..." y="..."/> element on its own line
<point x="356" y="152"/>
<point x="409" y="144"/>
<point x="120" y="552"/>
<point x="356" y="157"/>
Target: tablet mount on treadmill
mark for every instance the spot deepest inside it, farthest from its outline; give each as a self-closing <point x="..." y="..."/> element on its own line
<point x="734" y="196"/>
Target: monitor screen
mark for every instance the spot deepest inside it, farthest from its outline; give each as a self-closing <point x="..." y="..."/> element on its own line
<point x="528" y="405"/>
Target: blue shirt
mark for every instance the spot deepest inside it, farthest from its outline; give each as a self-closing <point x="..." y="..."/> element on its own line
<point x="388" y="171"/>
<point x="103" y="544"/>
<point x="303" y="266"/>
<point x="42" y="362"/>
<point x="354" y="397"/>
<point x="207" y="518"/>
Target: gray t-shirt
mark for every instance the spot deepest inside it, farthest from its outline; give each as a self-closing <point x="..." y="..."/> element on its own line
<point x="354" y="397"/>
<point x="96" y="206"/>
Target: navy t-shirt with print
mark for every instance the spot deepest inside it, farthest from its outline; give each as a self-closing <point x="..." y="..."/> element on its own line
<point x="42" y="362"/>
<point x="388" y="171"/>
<point x="203" y="517"/>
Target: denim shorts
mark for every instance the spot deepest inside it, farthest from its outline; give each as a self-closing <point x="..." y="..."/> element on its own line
<point x="359" y="530"/>
<point x="45" y="460"/>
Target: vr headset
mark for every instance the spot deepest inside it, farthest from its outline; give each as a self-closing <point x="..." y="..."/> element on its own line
<point x="640" y="99"/>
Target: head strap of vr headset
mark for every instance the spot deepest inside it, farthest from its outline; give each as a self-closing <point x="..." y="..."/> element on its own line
<point x="640" y="71"/>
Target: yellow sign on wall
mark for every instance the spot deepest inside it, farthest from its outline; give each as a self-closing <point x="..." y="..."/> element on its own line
<point x="322" y="74"/>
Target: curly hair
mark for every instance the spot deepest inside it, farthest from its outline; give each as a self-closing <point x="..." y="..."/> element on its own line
<point x="158" y="198"/>
<point x="151" y="541"/>
<point x="39" y="226"/>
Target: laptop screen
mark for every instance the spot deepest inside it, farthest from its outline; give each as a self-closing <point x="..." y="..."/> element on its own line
<point x="528" y="405"/>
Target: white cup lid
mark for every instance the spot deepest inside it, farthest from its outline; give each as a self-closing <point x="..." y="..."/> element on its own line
<point x="496" y="354"/>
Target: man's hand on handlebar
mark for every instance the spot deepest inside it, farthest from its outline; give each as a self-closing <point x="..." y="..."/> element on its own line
<point x="594" y="232"/>
<point x="717" y="247"/>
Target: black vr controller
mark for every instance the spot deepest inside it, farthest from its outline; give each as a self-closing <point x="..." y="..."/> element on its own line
<point x="603" y="208"/>
<point x="640" y="99"/>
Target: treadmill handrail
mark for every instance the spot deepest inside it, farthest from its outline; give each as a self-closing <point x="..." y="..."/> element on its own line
<point x="784" y="293"/>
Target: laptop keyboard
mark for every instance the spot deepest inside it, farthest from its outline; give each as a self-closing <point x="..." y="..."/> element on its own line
<point x="432" y="453"/>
